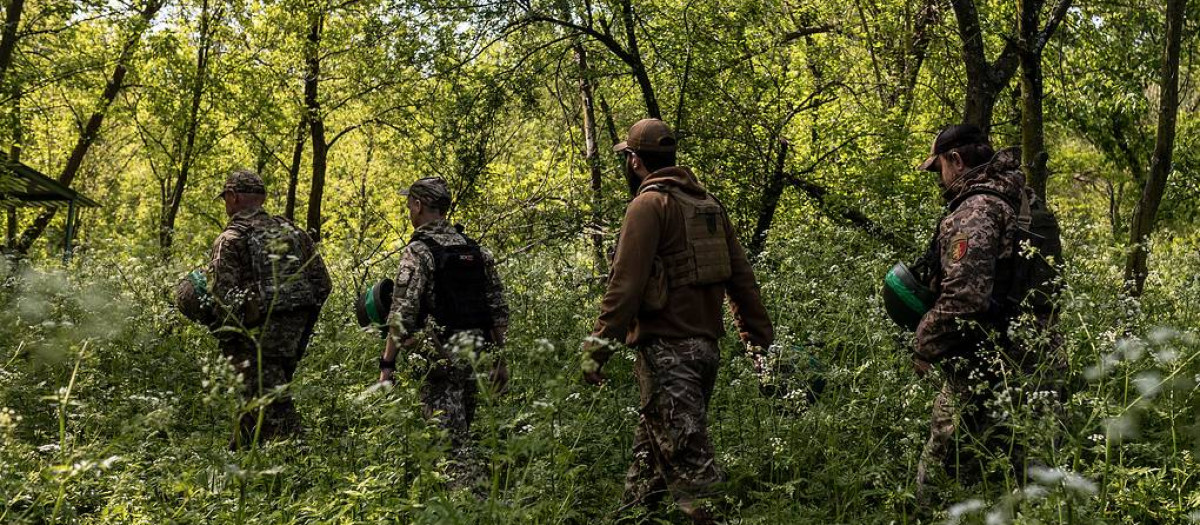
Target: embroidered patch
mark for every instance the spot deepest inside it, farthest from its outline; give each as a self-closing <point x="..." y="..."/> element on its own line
<point x="958" y="246"/>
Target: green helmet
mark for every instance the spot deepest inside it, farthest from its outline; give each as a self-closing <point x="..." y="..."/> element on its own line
<point x="373" y="305"/>
<point x="905" y="298"/>
<point x="191" y="295"/>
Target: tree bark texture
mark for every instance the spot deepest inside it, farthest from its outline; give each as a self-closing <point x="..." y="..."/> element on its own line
<point x="769" y="201"/>
<point x="316" y="121"/>
<point x="1145" y="215"/>
<point x="92" y="128"/>
<point x="985" y="79"/>
<point x="591" y="154"/>
<point x="1033" y="133"/>
<point x="294" y="169"/>
<point x="637" y="63"/>
<point x="8" y="36"/>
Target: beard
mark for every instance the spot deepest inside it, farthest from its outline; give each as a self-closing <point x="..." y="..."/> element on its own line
<point x="633" y="181"/>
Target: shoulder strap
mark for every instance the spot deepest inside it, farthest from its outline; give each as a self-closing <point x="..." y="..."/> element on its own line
<point x="426" y="239"/>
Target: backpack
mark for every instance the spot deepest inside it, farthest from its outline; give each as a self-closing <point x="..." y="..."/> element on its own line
<point x="460" y="285"/>
<point x="705" y="259"/>
<point x="282" y="266"/>
<point x="1026" y="281"/>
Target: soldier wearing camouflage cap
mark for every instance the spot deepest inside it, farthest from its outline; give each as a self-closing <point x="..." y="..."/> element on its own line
<point x="266" y="284"/>
<point x="677" y="260"/>
<point x="447" y="307"/>
<point x="982" y="286"/>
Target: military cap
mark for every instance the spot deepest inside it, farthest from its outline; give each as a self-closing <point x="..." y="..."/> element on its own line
<point x="432" y="191"/>
<point x="649" y="134"/>
<point x="949" y="138"/>
<point x="243" y="181"/>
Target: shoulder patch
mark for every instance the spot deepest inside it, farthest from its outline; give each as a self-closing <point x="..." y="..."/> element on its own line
<point x="959" y="244"/>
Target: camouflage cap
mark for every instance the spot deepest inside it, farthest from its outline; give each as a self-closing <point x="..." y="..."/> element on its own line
<point x="649" y="134"/>
<point x="432" y="191"/>
<point x="243" y="181"/>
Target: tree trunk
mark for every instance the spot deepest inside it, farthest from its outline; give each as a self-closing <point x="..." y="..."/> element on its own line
<point x="984" y="80"/>
<point x="927" y="18"/>
<point x="1146" y="213"/>
<point x="610" y="124"/>
<point x="92" y="129"/>
<point x="167" y="230"/>
<point x="770" y="201"/>
<point x="591" y="153"/>
<point x="294" y="168"/>
<point x="637" y="64"/>
<point x="14" y="155"/>
<point x="1033" y="133"/>
<point x="855" y="217"/>
<point x="316" y="123"/>
<point x="8" y="36"/>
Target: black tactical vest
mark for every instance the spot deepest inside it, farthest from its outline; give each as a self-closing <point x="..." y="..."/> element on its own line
<point x="459" y="287"/>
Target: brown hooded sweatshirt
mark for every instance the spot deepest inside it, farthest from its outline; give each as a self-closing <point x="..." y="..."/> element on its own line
<point x="654" y="226"/>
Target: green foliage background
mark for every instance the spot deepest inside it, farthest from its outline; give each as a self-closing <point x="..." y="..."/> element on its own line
<point x="114" y="410"/>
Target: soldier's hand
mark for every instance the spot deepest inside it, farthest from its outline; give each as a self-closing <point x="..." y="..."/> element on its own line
<point x="921" y="366"/>
<point x="385" y="375"/>
<point x="594" y="378"/>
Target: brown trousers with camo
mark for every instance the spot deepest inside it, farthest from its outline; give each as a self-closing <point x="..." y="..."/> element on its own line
<point x="671" y="448"/>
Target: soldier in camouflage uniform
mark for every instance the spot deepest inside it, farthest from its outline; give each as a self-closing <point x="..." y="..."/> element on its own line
<point x="676" y="261"/>
<point x="968" y="332"/>
<point x="448" y="302"/>
<point x="254" y="312"/>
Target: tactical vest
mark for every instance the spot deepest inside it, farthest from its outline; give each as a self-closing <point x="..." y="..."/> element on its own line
<point x="460" y="287"/>
<point x="705" y="257"/>
<point x="1024" y="281"/>
<point x="281" y="267"/>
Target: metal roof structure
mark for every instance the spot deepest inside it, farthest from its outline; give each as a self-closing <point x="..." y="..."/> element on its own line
<point x="23" y="186"/>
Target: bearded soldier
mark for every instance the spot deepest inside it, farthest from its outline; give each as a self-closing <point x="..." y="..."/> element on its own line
<point x="677" y="259"/>
<point x="991" y="326"/>
<point x="267" y="284"/>
<point x="448" y="303"/>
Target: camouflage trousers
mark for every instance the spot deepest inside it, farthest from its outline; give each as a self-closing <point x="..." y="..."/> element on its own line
<point x="283" y="341"/>
<point x="449" y="394"/>
<point x="671" y="448"/>
<point x="994" y="408"/>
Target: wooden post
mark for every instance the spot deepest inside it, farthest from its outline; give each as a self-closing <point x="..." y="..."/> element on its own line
<point x="71" y="210"/>
<point x="10" y="236"/>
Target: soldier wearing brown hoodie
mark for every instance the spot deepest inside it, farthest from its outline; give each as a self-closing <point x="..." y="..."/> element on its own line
<point x="676" y="261"/>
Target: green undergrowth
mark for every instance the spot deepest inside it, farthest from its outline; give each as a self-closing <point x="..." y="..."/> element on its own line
<point x="114" y="410"/>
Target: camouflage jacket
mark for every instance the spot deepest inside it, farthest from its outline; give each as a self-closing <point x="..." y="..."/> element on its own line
<point x="232" y="282"/>
<point x="414" y="291"/>
<point x="973" y="239"/>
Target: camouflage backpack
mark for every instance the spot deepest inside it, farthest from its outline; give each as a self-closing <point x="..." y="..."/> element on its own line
<point x="1028" y="279"/>
<point x="282" y="260"/>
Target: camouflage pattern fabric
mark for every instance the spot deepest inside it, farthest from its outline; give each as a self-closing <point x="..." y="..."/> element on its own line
<point x="240" y="319"/>
<point x="449" y="389"/>
<point x="672" y="451"/>
<point x="233" y="284"/>
<point x="283" y="339"/>
<point x="413" y="292"/>
<point x="991" y="369"/>
<point x="449" y="394"/>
